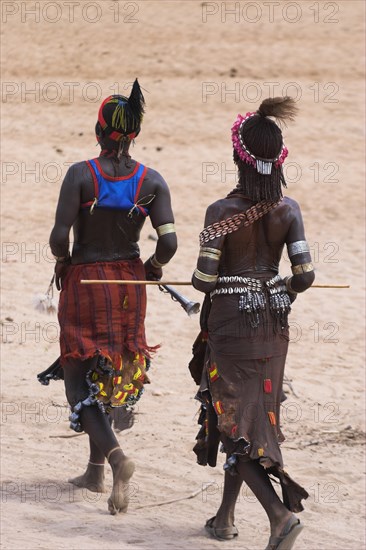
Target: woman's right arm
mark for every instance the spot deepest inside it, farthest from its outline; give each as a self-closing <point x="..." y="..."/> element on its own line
<point x="206" y="273"/>
<point x="162" y="219"/>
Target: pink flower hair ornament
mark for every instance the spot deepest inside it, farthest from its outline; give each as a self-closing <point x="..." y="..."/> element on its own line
<point x="263" y="166"/>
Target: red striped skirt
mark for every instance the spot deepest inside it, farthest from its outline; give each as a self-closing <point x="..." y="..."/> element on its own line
<point x="107" y="320"/>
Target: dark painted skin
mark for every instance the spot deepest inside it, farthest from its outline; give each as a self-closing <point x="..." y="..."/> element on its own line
<point x="253" y="251"/>
<point x="106" y="235"/>
<point x="256" y="249"/>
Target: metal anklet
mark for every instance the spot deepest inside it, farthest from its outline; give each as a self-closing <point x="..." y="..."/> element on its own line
<point x="112" y="451"/>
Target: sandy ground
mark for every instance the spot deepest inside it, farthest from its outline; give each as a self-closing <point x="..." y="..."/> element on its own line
<point x="200" y="65"/>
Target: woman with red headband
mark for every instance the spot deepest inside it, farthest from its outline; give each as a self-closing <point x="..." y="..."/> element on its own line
<point x="245" y="324"/>
<point x="104" y="353"/>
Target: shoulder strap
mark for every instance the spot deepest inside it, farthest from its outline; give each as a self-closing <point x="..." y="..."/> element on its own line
<point x="99" y="170"/>
<point x="140" y="203"/>
<point x="90" y="165"/>
<point x="141" y="176"/>
<point x="229" y="225"/>
<point x="92" y="169"/>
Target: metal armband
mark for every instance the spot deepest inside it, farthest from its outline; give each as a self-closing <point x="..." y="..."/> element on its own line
<point x="204" y="276"/>
<point x="302" y="268"/>
<point x="165" y="229"/>
<point x="211" y="253"/>
<point x="297" y="247"/>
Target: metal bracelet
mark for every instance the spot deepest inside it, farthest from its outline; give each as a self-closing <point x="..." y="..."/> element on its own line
<point x="289" y="288"/>
<point x="204" y="276"/>
<point x="62" y="259"/>
<point x="155" y="263"/>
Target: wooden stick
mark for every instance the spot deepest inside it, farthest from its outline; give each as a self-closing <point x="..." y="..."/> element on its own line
<point x="175" y="283"/>
<point x="330" y="286"/>
<point x="127" y="282"/>
<point x="67" y="436"/>
<point x="192" y="495"/>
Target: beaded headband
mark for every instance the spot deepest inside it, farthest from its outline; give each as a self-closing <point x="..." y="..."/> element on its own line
<point x="263" y="166"/>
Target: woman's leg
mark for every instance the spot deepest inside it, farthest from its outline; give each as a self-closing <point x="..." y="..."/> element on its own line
<point x="259" y="483"/>
<point x="93" y="477"/>
<point x="255" y="476"/>
<point x="225" y="515"/>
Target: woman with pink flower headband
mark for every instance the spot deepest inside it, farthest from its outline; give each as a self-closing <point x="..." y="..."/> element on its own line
<point x="244" y="338"/>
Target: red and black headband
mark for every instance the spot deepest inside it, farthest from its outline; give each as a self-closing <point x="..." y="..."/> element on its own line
<point x="120" y="117"/>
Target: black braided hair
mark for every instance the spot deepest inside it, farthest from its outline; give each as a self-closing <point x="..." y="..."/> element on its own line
<point x="263" y="137"/>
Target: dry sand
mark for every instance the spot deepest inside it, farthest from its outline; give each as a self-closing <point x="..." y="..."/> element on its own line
<point x="189" y="56"/>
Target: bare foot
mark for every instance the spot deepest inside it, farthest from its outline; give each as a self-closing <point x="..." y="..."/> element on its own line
<point x="122" y="472"/>
<point x="92" y="479"/>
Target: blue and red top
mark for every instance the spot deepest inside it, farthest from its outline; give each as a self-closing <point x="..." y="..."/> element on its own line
<point x="120" y="193"/>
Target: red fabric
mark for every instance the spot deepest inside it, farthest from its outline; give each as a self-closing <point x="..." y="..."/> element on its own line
<point x="96" y="186"/>
<point x="100" y="114"/>
<point x="103" y="319"/>
<point x="117" y="178"/>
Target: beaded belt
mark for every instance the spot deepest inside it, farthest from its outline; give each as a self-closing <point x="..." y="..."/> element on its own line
<point x="249" y="284"/>
<point x="253" y="297"/>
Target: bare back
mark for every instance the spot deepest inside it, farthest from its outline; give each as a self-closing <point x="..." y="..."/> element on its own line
<point x="257" y="248"/>
<point x="106" y="234"/>
<point x="252" y="250"/>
